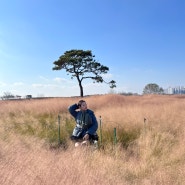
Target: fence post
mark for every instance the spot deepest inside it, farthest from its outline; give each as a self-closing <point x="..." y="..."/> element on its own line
<point x="145" y="125"/>
<point x="59" y="129"/>
<point x="115" y="137"/>
<point x="100" y="131"/>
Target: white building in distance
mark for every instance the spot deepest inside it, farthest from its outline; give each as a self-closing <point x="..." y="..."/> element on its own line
<point x="175" y="90"/>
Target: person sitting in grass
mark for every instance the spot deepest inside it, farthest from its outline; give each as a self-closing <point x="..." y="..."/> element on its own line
<point x="86" y="123"/>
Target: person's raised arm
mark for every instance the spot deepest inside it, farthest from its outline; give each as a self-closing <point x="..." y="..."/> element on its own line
<point x="72" y="110"/>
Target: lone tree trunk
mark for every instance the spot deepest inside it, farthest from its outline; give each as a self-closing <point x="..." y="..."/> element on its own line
<point x="81" y="90"/>
<point x="80" y="85"/>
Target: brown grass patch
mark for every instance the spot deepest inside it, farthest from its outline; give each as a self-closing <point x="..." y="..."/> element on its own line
<point x="149" y="150"/>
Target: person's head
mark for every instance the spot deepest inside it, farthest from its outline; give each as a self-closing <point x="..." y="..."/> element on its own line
<point x="82" y="105"/>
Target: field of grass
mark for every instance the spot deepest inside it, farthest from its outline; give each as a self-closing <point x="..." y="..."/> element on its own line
<point x="149" y="146"/>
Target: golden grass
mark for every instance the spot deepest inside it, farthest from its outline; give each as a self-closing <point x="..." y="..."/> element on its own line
<point x="149" y="150"/>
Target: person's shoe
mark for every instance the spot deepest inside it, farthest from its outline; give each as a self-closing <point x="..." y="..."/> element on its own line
<point x="84" y="143"/>
<point x="77" y="144"/>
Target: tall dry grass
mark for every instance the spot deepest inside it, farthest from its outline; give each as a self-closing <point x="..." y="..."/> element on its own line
<point x="149" y="149"/>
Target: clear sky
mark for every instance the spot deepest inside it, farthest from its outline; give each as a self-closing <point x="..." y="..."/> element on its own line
<point x="141" y="41"/>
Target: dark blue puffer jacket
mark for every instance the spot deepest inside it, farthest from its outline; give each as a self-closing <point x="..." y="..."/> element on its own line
<point x="89" y="127"/>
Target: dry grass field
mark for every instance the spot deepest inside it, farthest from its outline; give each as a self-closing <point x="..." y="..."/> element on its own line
<point x="149" y="148"/>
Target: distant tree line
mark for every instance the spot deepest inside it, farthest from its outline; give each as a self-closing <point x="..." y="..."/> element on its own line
<point x="9" y="95"/>
<point x="151" y="88"/>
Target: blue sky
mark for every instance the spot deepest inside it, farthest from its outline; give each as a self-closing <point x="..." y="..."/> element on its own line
<point x="141" y="41"/>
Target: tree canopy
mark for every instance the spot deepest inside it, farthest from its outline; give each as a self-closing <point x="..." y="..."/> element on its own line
<point x="81" y="65"/>
<point x="152" y="88"/>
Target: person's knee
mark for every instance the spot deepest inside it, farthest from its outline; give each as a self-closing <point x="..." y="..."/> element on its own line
<point x="73" y="138"/>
